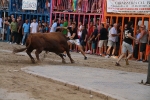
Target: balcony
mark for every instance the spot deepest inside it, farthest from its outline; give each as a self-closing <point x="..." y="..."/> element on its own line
<point x="78" y="6"/>
<point x="42" y="8"/>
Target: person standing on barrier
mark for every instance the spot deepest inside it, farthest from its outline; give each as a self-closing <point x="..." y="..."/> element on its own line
<point x="13" y="28"/>
<point x="127" y="44"/>
<point x="26" y="28"/>
<point x="143" y="41"/>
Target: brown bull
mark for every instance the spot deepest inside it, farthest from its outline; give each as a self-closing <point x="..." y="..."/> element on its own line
<point x="53" y="42"/>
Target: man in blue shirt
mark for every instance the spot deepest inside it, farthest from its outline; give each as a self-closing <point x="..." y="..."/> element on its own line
<point x="26" y="27"/>
<point x="54" y="26"/>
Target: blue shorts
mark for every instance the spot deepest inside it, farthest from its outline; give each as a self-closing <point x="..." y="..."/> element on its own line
<point x="82" y="43"/>
<point x="93" y="45"/>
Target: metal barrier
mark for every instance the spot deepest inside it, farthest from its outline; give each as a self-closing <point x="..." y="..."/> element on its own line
<point x="15" y="8"/>
<point x="123" y="19"/>
<point x="92" y="6"/>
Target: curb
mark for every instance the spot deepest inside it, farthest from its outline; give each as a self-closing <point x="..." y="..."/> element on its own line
<point x="73" y="86"/>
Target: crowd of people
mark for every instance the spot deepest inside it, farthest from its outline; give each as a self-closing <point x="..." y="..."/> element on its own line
<point x="17" y="30"/>
<point x="99" y="36"/>
<point x="89" y="38"/>
<point x="91" y="6"/>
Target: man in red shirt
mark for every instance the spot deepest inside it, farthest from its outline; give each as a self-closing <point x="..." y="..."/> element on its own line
<point x="89" y="36"/>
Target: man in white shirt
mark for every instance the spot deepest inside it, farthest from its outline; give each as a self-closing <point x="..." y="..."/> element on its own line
<point x="1" y="32"/>
<point x="54" y="26"/>
<point x="80" y="29"/>
<point x="34" y="26"/>
<point x="112" y="40"/>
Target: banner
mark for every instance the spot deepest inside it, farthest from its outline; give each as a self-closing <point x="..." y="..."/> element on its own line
<point x="128" y="6"/>
<point x="29" y="4"/>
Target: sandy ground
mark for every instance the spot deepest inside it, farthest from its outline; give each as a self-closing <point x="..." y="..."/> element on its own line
<point x="13" y="80"/>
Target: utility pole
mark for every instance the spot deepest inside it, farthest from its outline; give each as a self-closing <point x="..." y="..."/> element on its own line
<point x="148" y="74"/>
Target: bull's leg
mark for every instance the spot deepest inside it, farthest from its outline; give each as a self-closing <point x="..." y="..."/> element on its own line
<point x="37" y="52"/>
<point x="44" y="56"/>
<point x="29" y="53"/>
<point x="68" y="54"/>
<point x="46" y="52"/>
<point x="63" y="60"/>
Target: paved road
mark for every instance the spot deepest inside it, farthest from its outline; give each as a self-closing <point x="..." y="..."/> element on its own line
<point x="117" y="84"/>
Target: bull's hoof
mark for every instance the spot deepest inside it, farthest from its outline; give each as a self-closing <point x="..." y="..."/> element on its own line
<point x="72" y="61"/>
<point x="33" y="61"/>
<point x="63" y="61"/>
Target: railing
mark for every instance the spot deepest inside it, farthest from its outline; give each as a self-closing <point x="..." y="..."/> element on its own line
<point x="90" y="6"/>
<point x="43" y="7"/>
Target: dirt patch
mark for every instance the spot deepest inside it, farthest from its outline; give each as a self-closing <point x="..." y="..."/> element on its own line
<point x="14" y="80"/>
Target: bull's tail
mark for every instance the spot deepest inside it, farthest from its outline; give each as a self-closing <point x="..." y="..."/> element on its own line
<point x="16" y="50"/>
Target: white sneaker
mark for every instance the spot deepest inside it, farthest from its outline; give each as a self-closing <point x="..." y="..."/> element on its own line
<point x="113" y="57"/>
<point x="10" y="43"/>
<point x="88" y="51"/>
<point x="107" y="56"/>
<point x="21" y="44"/>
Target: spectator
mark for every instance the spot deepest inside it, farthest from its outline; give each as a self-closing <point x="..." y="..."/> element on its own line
<point x="93" y="39"/>
<point x="40" y="28"/>
<point x="26" y="29"/>
<point x="65" y="24"/>
<point x="80" y="29"/>
<point x="112" y="40"/>
<point x="74" y="39"/>
<point x="147" y="48"/>
<point x="110" y="26"/>
<point x="34" y="26"/>
<point x="79" y="5"/>
<point x="118" y="40"/>
<point x="85" y="6"/>
<point x="6" y="28"/>
<point x="127" y="44"/>
<point x="136" y="45"/>
<point x="1" y="32"/>
<point x="103" y="36"/>
<point x="45" y="27"/>
<point x="54" y="26"/>
<point x="47" y="6"/>
<point x="143" y="41"/>
<point x="13" y="27"/>
<point x="9" y="19"/>
<point x="61" y="23"/>
<point x="89" y="36"/>
<point x="19" y="35"/>
<point x="83" y="37"/>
